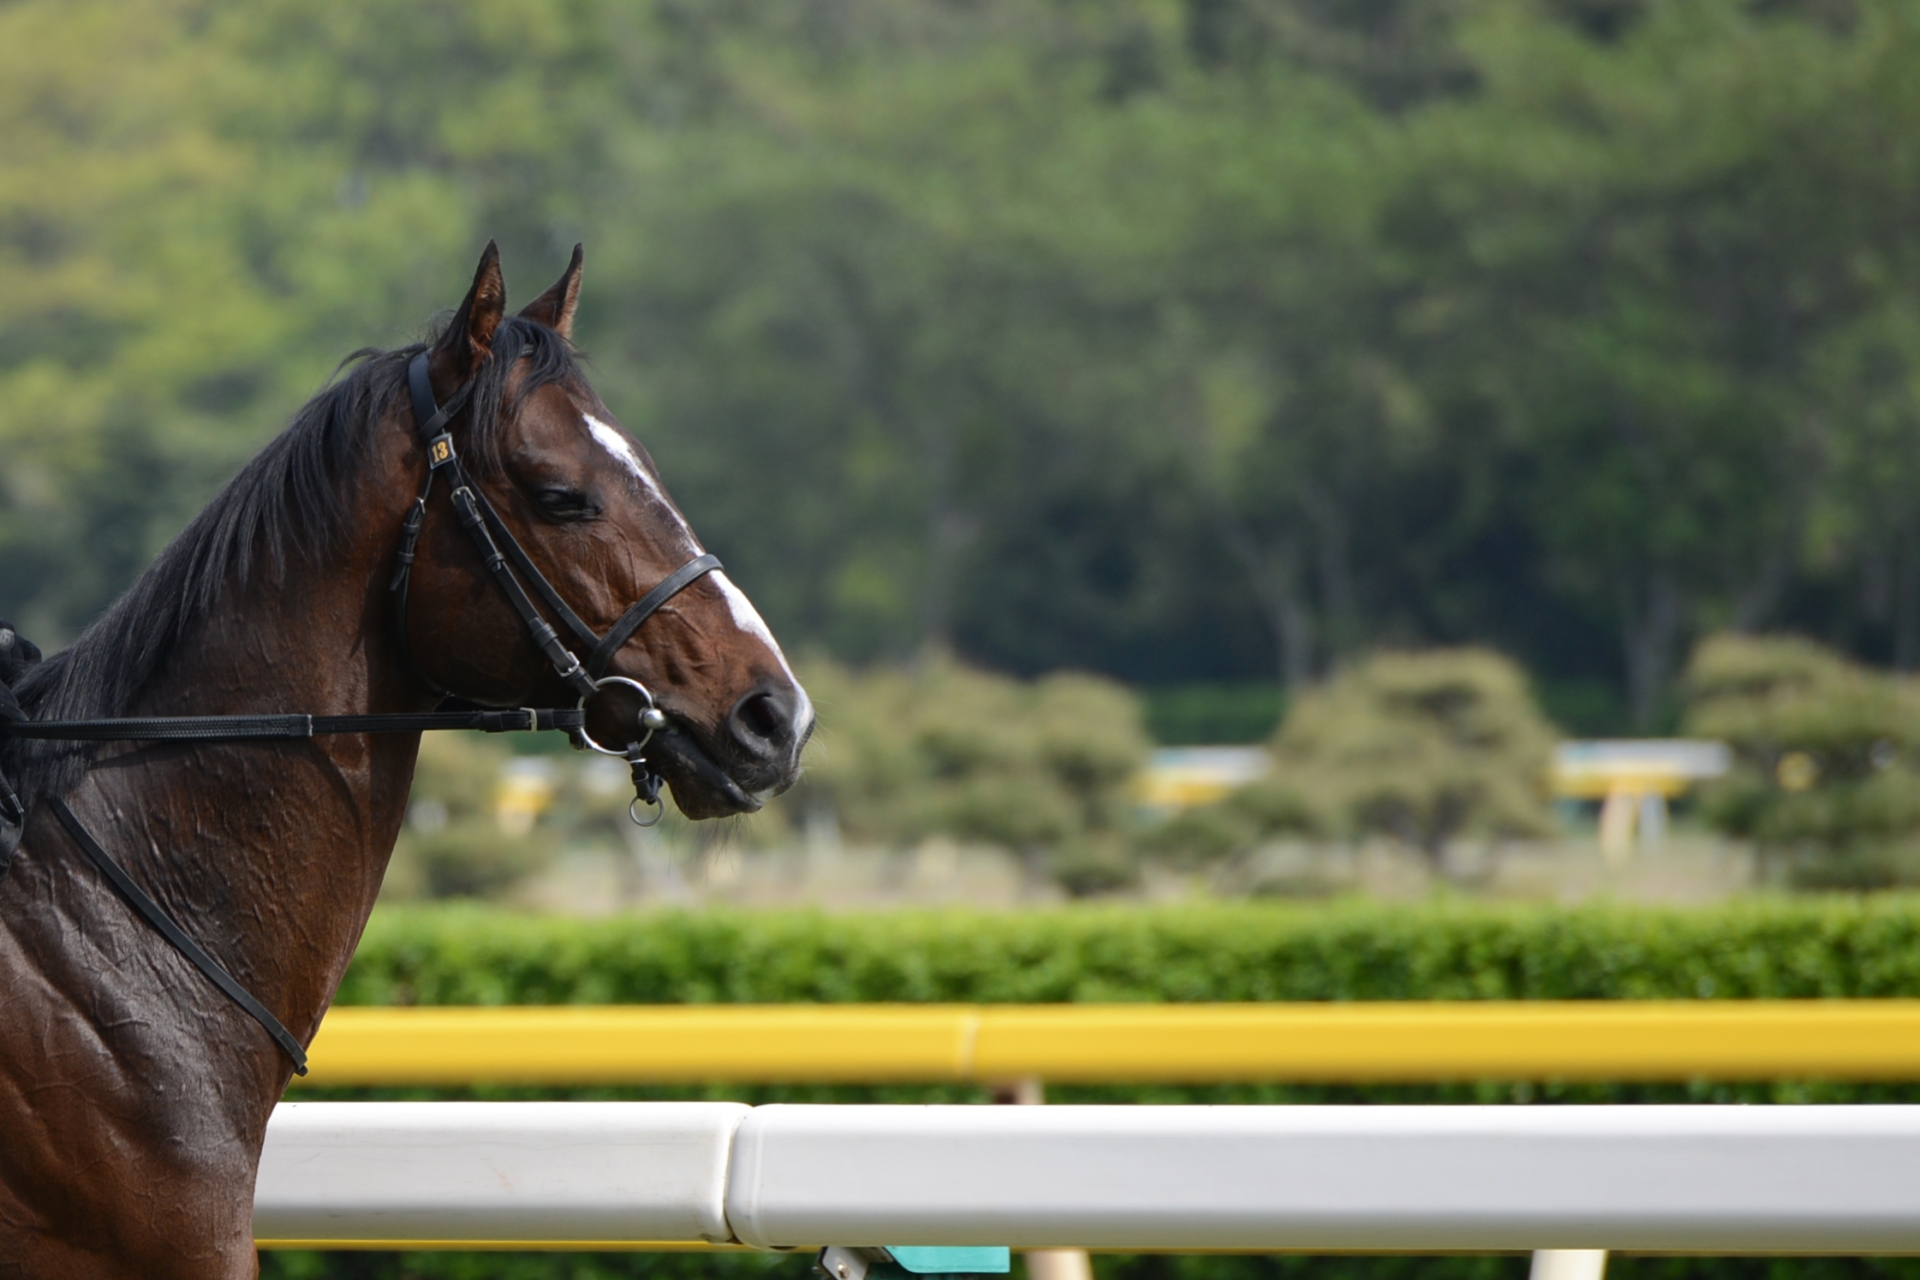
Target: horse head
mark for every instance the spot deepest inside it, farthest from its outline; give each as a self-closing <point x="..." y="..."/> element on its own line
<point x="586" y="503"/>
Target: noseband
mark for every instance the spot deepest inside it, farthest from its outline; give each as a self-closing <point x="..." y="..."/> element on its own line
<point x="489" y="535"/>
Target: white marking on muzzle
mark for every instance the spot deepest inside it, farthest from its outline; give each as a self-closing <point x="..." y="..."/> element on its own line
<point x="748" y="619"/>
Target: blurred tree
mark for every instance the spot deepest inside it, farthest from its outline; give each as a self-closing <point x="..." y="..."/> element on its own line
<point x="455" y="843"/>
<point x="1422" y="747"/>
<point x="1824" y="777"/>
<point x="1644" y="252"/>
<point x="1180" y="339"/>
<point x="178" y="279"/>
<point x="1041" y="768"/>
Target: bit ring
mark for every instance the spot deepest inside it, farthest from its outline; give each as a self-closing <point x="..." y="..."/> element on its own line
<point x="651" y="719"/>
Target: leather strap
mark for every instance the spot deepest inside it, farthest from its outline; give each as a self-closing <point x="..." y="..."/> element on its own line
<point x="272" y="728"/>
<point x="486" y="720"/>
<point x="154" y="914"/>
<point x="467" y="503"/>
<point x="403" y="576"/>
<point x="672" y="585"/>
<point x="528" y="570"/>
<point x="432" y="418"/>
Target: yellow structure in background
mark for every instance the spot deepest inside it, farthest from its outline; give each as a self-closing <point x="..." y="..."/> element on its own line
<point x="1633" y="779"/>
<point x="524" y="793"/>
<point x="1182" y="777"/>
<point x="1130" y="1044"/>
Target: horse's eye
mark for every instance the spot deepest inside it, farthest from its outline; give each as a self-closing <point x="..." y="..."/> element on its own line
<point x="564" y="504"/>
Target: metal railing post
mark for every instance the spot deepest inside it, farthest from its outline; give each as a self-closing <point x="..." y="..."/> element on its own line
<point x="1568" y="1264"/>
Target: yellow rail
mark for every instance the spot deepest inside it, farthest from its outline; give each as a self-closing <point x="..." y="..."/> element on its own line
<point x="1122" y="1044"/>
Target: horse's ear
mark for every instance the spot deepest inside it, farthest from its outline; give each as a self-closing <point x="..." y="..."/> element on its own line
<point x="470" y="337"/>
<point x="555" y="307"/>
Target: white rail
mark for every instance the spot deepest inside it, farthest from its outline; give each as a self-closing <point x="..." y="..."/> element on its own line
<point x="546" y="1173"/>
<point x="1400" y="1179"/>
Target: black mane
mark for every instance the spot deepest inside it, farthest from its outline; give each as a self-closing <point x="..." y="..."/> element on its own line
<point x="290" y="503"/>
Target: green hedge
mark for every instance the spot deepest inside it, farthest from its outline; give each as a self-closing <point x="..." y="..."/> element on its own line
<point x="1764" y="949"/>
<point x="1341" y="951"/>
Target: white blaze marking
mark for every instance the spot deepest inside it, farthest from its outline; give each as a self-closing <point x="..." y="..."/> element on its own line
<point x="745" y="616"/>
<point x="748" y="619"/>
<point x="615" y="442"/>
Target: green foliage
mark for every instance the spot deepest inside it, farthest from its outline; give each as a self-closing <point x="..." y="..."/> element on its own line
<point x="1423" y="747"/>
<point x="1237" y="823"/>
<point x="1800" y="949"/>
<point x="1420" y="747"/>
<point x="1824" y="769"/>
<point x="178" y="277"/>
<point x="939" y="749"/>
<point x="1209" y="714"/>
<point x="473" y="859"/>
<point x="453" y="845"/>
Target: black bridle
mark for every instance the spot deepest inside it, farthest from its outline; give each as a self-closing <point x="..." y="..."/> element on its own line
<point x="508" y="563"/>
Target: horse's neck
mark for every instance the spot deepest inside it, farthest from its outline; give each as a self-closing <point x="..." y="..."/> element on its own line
<point x="132" y="1091"/>
<point x="273" y="852"/>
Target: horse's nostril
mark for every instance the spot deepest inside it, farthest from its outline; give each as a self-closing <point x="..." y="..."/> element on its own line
<point x="763" y="719"/>
<point x="761" y="716"/>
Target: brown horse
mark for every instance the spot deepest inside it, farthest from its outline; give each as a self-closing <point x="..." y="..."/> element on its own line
<point x="133" y="1095"/>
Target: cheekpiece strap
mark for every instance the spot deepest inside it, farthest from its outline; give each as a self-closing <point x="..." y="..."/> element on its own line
<point x="433" y="417"/>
